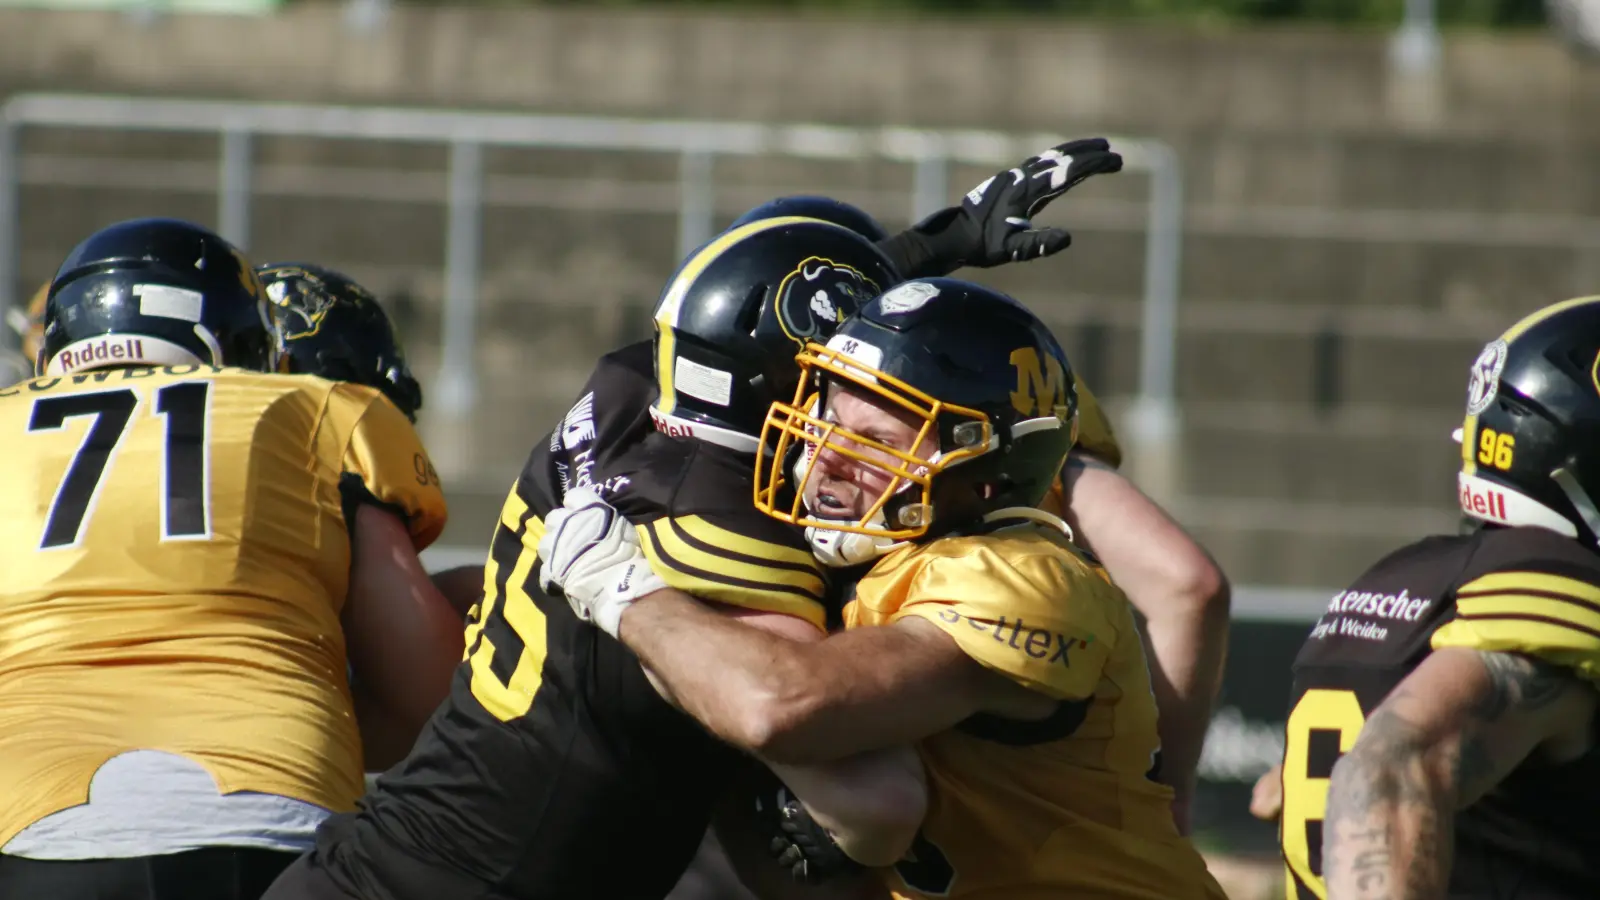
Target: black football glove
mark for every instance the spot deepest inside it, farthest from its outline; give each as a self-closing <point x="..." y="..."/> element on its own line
<point x="993" y="226"/>
<point x="797" y="842"/>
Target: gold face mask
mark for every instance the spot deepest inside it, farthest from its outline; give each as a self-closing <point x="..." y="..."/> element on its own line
<point x="797" y="429"/>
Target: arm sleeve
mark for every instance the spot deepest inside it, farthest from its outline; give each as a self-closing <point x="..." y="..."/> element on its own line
<point x="719" y="558"/>
<point x="1034" y="619"/>
<point x="913" y="254"/>
<point x="386" y="456"/>
<point x="1553" y="617"/>
<point x="1095" y="436"/>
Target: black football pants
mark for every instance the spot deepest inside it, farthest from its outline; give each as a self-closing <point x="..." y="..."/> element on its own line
<point x="214" y="873"/>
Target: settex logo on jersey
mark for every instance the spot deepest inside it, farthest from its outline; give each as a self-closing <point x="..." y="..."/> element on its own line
<point x="818" y="295"/>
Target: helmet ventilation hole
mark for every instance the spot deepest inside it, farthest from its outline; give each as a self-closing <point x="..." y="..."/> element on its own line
<point x="750" y="312"/>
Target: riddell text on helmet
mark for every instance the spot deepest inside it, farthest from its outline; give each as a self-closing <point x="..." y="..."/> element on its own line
<point x="105" y="350"/>
<point x="1486" y="502"/>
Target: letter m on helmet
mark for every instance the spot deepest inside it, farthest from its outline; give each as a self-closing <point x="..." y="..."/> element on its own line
<point x="1041" y="388"/>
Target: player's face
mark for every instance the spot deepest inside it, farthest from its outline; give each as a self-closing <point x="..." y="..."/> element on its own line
<point x="847" y="486"/>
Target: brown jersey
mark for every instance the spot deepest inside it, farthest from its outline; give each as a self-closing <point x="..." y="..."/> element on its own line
<point x="177" y="548"/>
<point x="1505" y="590"/>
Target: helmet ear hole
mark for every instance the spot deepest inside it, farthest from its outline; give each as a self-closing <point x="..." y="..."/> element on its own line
<point x="750" y="311"/>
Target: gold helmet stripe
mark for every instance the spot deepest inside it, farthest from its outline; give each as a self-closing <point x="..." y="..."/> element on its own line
<point x="666" y="317"/>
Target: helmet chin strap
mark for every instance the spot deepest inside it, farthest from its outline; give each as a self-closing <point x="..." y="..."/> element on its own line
<point x="1581" y="501"/>
<point x="843" y="549"/>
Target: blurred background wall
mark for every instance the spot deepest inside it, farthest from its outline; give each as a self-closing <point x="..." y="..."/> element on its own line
<point x="1360" y="214"/>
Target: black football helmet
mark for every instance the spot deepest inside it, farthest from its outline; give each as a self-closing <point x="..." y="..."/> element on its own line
<point x="155" y="292"/>
<point x="989" y="384"/>
<point x="333" y="327"/>
<point x="736" y="312"/>
<point x="815" y="207"/>
<point x="1530" y="445"/>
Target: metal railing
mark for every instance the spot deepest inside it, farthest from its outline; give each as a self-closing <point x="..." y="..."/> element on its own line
<point x="1256" y="603"/>
<point x="697" y="144"/>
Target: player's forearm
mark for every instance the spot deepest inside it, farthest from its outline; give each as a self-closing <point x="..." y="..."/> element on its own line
<point x="724" y="674"/>
<point x="802" y="703"/>
<point x="871" y="803"/>
<point x="1177" y="588"/>
<point x="1389" y="832"/>
<point x="1188" y="649"/>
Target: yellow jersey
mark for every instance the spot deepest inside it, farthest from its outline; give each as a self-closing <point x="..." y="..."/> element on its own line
<point x="1095" y="437"/>
<point x="177" y="554"/>
<point x="1064" y="807"/>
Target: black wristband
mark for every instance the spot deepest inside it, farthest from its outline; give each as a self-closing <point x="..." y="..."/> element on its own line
<point x="919" y="252"/>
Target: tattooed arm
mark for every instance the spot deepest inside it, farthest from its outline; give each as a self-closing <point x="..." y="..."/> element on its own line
<point x="1450" y="732"/>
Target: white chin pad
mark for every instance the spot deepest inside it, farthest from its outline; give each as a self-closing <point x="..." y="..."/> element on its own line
<point x="841" y="549"/>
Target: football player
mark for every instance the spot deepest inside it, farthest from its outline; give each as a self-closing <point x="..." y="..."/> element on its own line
<point x="921" y="451"/>
<point x="333" y="327"/>
<point x="195" y="548"/>
<point x="1442" y="736"/>
<point x="553" y="749"/>
<point x="1175" y="585"/>
<point x="28" y="323"/>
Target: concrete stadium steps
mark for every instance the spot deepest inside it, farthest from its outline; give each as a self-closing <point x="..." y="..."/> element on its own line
<point x="1251" y="235"/>
<point x="1324" y="464"/>
<point x="1273" y="554"/>
<point x="1439" y="175"/>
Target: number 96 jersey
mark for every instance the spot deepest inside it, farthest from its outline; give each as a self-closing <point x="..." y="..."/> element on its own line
<point x="1520" y="590"/>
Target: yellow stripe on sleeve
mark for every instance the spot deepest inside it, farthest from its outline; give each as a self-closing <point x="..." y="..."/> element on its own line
<point x="773" y="590"/>
<point x="1553" y="642"/>
<point x="1569" y="613"/>
<point x="686" y="551"/>
<point x="765" y="552"/>
<point x="1535" y="583"/>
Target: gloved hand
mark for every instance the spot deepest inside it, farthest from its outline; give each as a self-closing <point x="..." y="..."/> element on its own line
<point x="591" y="552"/>
<point x="795" y="840"/>
<point x="993" y="225"/>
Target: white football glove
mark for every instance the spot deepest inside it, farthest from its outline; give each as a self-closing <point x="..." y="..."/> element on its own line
<point x="591" y="553"/>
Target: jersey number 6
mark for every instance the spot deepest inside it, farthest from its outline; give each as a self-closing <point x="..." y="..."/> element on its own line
<point x="1305" y="792"/>
<point x="185" y="506"/>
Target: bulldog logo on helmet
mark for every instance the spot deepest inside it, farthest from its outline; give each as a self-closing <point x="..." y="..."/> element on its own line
<point x="299" y="293"/>
<point x="818" y="295"/>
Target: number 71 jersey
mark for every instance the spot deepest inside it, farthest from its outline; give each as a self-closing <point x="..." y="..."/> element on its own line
<point x="176" y="553"/>
<point x="1519" y="590"/>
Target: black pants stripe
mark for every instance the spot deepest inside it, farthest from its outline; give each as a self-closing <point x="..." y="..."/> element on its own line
<point x="215" y="873"/>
